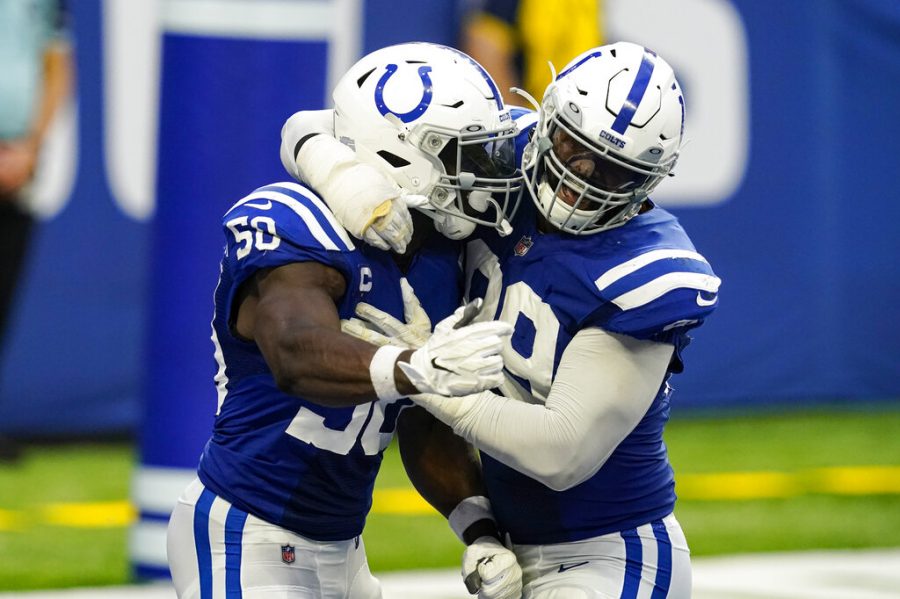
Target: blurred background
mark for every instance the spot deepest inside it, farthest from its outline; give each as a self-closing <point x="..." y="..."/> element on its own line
<point x="786" y="423"/>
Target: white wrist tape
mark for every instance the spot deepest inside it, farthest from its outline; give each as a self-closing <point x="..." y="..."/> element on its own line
<point x="381" y="370"/>
<point x="469" y="511"/>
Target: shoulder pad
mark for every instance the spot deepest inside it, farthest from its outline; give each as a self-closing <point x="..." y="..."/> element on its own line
<point x="658" y="290"/>
<point x="297" y="214"/>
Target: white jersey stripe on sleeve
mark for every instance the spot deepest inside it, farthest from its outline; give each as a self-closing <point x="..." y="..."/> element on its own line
<point x="326" y="212"/>
<point x="302" y="211"/>
<point x="626" y="268"/>
<point x="526" y="120"/>
<point x="662" y="285"/>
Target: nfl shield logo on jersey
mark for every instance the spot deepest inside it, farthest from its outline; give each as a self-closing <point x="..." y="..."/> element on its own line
<point x="287" y="554"/>
<point x="523" y="246"/>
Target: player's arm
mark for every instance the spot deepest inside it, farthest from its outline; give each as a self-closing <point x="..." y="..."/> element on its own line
<point x="300" y="128"/>
<point x="603" y="387"/>
<point x="290" y="312"/>
<point x="365" y="201"/>
<point x="444" y="470"/>
<point x="442" y="467"/>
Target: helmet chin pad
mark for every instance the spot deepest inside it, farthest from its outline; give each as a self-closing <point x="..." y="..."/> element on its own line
<point x="560" y="213"/>
<point x="478" y="200"/>
<point x="453" y="227"/>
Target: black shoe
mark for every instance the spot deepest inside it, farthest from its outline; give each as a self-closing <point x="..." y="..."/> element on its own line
<point x="10" y="451"/>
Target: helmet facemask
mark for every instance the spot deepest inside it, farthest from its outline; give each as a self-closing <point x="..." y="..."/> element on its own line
<point x="587" y="187"/>
<point x="479" y="184"/>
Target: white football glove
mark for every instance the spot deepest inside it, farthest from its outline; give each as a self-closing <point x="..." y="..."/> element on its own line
<point x="491" y="570"/>
<point x="363" y="199"/>
<point x="391" y="226"/>
<point x="362" y="331"/>
<point x="380" y="328"/>
<point x="459" y="358"/>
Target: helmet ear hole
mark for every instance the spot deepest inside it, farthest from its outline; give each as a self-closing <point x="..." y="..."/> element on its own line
<point x="392" y="159"/>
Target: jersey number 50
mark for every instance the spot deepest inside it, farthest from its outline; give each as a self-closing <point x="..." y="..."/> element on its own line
<point x="244" y="234"/>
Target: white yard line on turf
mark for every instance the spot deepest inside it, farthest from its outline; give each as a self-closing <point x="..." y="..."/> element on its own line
<point x="868" y="574"/>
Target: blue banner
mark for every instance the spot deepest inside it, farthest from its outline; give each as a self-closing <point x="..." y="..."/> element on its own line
<point x="228" y="81"/>
<point x="807" y="245"/>
<point x="787" y="185"/>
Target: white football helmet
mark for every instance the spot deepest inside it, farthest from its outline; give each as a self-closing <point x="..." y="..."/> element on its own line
<point x="610" y="130"/>
<point x="432" y="119"/>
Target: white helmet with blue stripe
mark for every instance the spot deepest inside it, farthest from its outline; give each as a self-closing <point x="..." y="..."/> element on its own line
<point x="432" y="119"/>
<point x="610" y="130"/>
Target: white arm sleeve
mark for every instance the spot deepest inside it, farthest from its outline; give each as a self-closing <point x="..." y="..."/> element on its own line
<point x="357" y="193"/>
<point x="300" y="125"/>
<point x="604" y="385"/>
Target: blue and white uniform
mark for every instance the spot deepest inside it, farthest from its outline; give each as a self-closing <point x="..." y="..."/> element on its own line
<point x="636" y="291"/>
<point x="613" y="534"/>
<point x="643" y="279"/>
<point x="281" y="474"/>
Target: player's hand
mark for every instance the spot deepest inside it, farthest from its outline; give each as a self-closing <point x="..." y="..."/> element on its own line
<point x="380" y="328"/>
<point x="391" y="224"/>
<point x="369" y="206"/>
<point x="491" y="570"/>
<point x="362" y="331"/>
<point x="459" y="358"/>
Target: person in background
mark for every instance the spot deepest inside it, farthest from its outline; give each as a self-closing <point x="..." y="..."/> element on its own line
<point x="36" y="64"/>
<point x="514" y="39"/>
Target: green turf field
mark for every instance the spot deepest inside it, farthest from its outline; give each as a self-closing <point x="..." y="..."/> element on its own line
<point x="39" y="551"/>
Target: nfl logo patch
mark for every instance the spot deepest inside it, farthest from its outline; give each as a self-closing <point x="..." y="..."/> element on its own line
<point x="523" y="246"/>
<point x="287" y="554"/>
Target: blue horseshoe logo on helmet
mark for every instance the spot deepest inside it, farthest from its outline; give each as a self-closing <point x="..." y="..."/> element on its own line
<point x="416" y="112"/>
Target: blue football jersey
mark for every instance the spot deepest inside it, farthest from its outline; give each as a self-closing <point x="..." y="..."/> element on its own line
<point x="287" y="460"/>
<point x="644" y="279"/>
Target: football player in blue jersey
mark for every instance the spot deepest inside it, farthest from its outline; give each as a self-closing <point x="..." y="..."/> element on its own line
<point x="603" y="287"/>
<point x="304" y="410"/>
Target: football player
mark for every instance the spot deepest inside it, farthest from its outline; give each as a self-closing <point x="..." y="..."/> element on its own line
<point x="603" y="287"/>
<point x="304" y="410"/>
